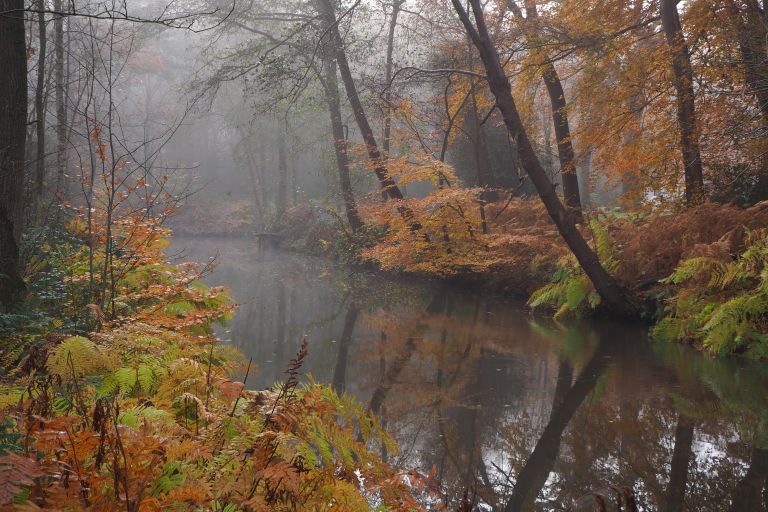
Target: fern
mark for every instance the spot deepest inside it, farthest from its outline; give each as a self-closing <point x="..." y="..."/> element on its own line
<point x="721" y="305"/>
<point x="16" y="472"/>
<point x="76" y="357"/>
<point x="570" y="290"/>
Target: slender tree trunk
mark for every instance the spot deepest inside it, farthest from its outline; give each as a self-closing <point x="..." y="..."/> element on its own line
<point x="681" y="459"/>
<point x="686" y="109"/>
<point x="751" y="27"/>
<point x="388" y="185"/>
<point x="13" y="121"/>
<point x="61" y="107"/>
<point x="388" y="76"/>
<point x="485" y="177"/>
<point x="262" y="172"/>
<point x="281" y="200"/>
<point x="565" y="152"/>
<point x="340" y="143"/>
<point x="614" y="295"/>
<point x="40" y="99"/>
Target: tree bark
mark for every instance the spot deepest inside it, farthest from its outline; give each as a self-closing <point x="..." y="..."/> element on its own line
<point x="554" y="86"/>
<point x="61" y="107"/>
<point x="340" y="143"/>
<point x="615" y="297"/>
<point x="13" y="120"/>
<point x="751" y="28"/>
<point x="388" y="76"/>
<point x="686" y="109"/>
<point x="40" y="100"/>
<point x="551" y="78"/>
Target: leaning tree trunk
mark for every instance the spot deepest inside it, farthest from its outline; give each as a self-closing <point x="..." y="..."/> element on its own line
<point x="686" y="109"/>
<point x="340" y="143"/>
<point x="615" y="297"/>
<point x="40" y="100"/>
<point x="13" y="121"/>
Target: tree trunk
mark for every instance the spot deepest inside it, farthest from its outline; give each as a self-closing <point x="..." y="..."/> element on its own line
<point x="281" y="200"/>
<point x="686" y="109"/>
<point x="565" y="152"/>
<point x="615" y="297"/>
<point x="340" y="143"/>
<point x="13" y="121"/>
<point x="388" y="76"/>
<point x="40" y="100"/>
<point x="61" y="107"/>
<point x="485" y="176"/>
<point x="388" y="185"/>
<point x="752" y="32"/>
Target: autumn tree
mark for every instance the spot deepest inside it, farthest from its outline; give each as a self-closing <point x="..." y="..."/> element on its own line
<point x="686" y="109"/>
<point x="615" y="297"/>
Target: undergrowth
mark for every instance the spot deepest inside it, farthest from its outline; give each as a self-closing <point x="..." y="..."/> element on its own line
<point x="141" y="408"/>
<point x="721" y="305"/>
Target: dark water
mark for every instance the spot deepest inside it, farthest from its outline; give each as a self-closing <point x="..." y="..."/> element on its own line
<point x="528" y="412"/>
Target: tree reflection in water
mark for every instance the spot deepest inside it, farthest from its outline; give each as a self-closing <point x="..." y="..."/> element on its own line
<point x="528" y="413"/>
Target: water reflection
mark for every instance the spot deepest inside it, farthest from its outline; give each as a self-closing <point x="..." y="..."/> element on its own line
<point x="527" y="413"/>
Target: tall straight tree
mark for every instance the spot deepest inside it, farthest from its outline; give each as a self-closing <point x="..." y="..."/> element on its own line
<point x="748" y="20"/>
<point x="686" y="109"/>
<point x="396" y="7"/>
<point x="61" y="107"/>
<point x="551" y="78"/>
<point x="13" y="121"/>
<point x="40" y="98"/>
<point x="331" y="87"/>
<point x="614" y="295"/>
<point x="281" y="200"/>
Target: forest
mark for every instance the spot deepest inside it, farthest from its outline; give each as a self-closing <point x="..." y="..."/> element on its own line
<point x="384" y="255"/>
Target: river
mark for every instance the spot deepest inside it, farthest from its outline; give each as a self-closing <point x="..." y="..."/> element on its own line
<point x="525" y="411"/>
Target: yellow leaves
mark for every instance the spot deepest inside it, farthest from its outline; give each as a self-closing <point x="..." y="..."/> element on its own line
<point x="76" y="357"/>
<point x="451" y="239"/>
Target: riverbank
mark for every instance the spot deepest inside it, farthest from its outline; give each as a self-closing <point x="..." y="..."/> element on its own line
<point x="133" y="403"/>
<point x="698" y="271"/>
<point x="460" y="376"/>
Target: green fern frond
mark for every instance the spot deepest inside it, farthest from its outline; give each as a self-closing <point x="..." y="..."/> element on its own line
<point x="76" y="357"/>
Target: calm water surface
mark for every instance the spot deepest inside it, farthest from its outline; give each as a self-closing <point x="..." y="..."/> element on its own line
<point x="528" y="412"/>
